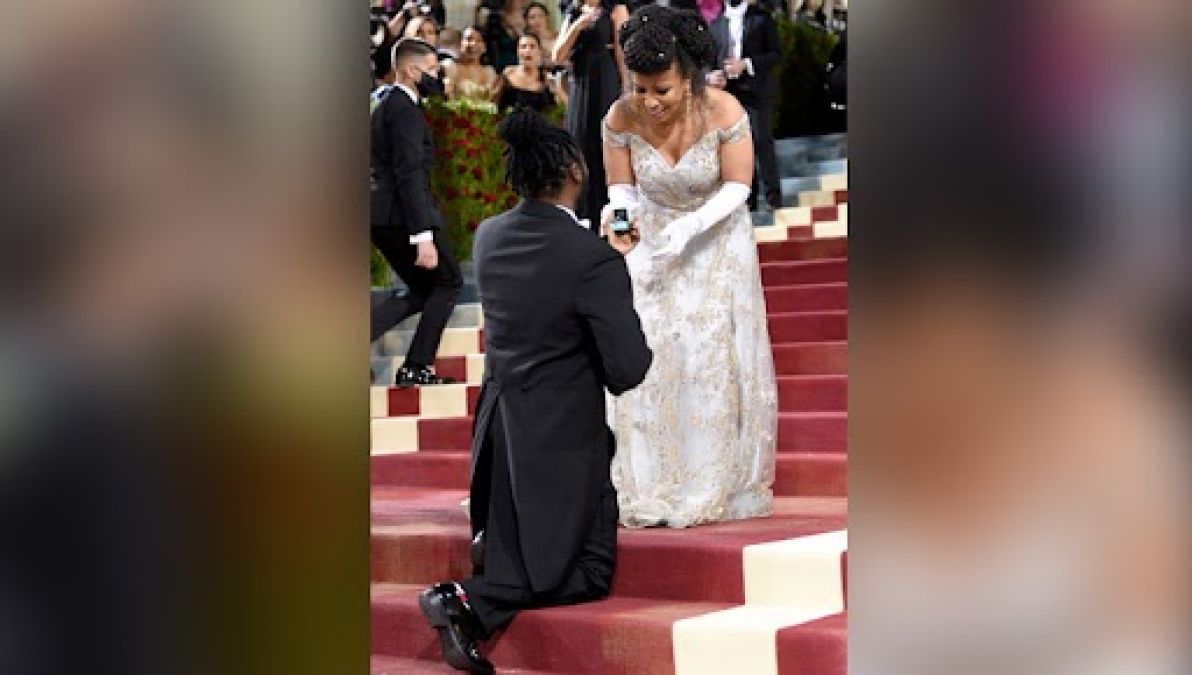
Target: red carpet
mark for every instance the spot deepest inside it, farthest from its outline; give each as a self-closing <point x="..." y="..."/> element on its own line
<point x="420" y="533"/>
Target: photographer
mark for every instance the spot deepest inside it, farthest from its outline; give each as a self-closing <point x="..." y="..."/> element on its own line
<point x="416" y="8"/>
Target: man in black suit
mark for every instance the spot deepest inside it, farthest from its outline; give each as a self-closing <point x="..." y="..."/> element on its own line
<point x="405" y="222"/>
<point x="560" y="329"/>
<point x="747" y="40"/>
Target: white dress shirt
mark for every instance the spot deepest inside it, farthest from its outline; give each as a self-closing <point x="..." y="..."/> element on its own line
<point x="736" y="30"/>
<point x="581" y="223"/>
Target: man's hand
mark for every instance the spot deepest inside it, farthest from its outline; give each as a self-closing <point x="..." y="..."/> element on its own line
<point x="428" y="255"/>
<point x="624" y="242"/>
<point x="717" y="79"/>
<point x="734" y="67"/>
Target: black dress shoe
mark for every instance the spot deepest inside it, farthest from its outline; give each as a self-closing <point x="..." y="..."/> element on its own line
<point x="417" y="376"/>
<point x="478" y="553"/>
<point x="446" y="608"/>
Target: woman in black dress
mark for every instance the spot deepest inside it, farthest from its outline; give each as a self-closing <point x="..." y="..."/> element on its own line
<point x="527" y="84"/>
<point x="588" y="42"/>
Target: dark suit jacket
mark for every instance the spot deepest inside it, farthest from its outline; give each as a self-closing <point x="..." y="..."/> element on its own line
<point x="559" y="329"/>
<point x="759" y="42"/>
<point x="689" y="5"/>
<point x="401" y="158"/>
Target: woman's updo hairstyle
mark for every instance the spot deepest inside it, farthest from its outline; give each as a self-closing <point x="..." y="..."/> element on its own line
<point x="656" y="37"/>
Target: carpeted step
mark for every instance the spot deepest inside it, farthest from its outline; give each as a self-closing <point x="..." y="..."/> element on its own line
<point x="812" y="393"/>
<point x="421" y="538"/>
<point x="816" y="326"/>
<point x="812" y="249"/>
<point x="392" y="665"/>
<point x="448" y="400"/>
<point x="629" y="636"/>
<point x="812" y="473"/>
<point x="796" y="393"/>
<point x="816" y="648"/>
<point x="797" y="473"/>
<point x="806" y="297"/>
<point x="811" y="418"/>
<point x="812" y="432"/>
<point x="771" y="228"/>
<point x="811" y="358"/>
<point x="789" y="273"/>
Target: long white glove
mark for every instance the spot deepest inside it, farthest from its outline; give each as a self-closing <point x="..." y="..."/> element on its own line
<point x="620" y="196"/>
<point x="680" y="232"/>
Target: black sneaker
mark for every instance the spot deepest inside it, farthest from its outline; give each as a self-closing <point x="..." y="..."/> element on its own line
<point x="418" y="376"/>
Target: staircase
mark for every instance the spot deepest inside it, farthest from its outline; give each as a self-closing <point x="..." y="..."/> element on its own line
<point x="756" y="596"/>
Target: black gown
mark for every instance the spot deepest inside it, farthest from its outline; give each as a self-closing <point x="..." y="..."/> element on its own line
<point x="515" y="97"/>
<point x="595" y="85"/>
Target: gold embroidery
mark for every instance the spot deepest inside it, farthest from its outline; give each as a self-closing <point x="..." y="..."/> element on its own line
<point x="696" y="440"/>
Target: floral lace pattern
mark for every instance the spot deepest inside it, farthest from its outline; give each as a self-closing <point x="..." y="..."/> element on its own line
<point x="696" y="440"/>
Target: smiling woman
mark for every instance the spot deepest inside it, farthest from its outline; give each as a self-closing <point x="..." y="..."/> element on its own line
<point x="696" y="441"/>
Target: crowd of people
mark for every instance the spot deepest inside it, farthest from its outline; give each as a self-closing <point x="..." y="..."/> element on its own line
<point x="514" y="54"/>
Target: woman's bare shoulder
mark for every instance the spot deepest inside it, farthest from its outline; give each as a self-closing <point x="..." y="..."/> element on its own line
<point x="724" y="110"/>
<point x="620" y="116"/>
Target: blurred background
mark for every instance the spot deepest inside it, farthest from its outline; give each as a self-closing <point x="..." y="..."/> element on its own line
<point x="183" y="476"/>
<point x="183" y="337"/>
<point x="1020" y="312"/>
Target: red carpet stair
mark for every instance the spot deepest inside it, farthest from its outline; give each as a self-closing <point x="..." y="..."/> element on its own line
<point x="758" y="596"/>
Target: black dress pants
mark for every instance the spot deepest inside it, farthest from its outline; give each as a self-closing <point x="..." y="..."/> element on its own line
<point x="761" y="117"/>
<point x="431" y="292"/>
<point x="504" y="588"/>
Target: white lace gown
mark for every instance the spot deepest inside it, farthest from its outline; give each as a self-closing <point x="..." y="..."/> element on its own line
<point x="696" y="440"/>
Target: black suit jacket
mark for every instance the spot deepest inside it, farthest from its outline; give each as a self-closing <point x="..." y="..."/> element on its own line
<point x="690" y="5"/>
<point x="559" y="329"/>
<point x="759" y="42"/>
<point x="401" y="156"/>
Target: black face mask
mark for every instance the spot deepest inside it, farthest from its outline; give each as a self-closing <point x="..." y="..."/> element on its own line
<point x="429" y="86"/>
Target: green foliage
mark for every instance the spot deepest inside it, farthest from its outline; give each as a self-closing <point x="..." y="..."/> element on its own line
<point x="469" y="178"/>
<point x="468" y="183"/>
<point x="379" y="273"/>
<point x="801" y="106"/>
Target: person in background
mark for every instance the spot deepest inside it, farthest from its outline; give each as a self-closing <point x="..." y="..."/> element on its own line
<point x="538" y="22"/>
<point x="811" y="13"/>
<point x="501" y="29"/>
<point x="748" y="48"/>
<point x="588" y="41"/>
<point x="424" y="28"/>
<point x="528" y="84"/>
<point x="467" y="77"/>
<point x="381" y="60"/>
<point x="449" y="43"/>
<point x="559" y="332"/>
<point x="405" y="224"/>
<point x="710" y="9"/>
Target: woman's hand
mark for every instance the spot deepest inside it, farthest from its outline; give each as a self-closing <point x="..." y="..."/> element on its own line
<point x="588" y="16"/>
